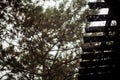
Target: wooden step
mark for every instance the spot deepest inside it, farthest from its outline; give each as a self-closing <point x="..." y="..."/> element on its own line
<point x="91" y="56"/>
<point x="95" y="5"/>
<point x="98" y="38"/>
<point x="100" y="28"/>
<point x="95" y="70"/>
<point x="102" y="17"/>
<point x="96" y="63"/>
<point x="97" y="48"/>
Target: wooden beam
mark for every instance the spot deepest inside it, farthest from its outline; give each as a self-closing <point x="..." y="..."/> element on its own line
<point x="95" y="5"/>
<point x="104" y="76"/>
<point x="102" y="17"/>
<point x="98" y="38"/>
<point x="96" y="70"/>
<point x="96" y="63"/>
<point x="97" y="48"/>
<point x="99" y="28"/>
<point x="91" y="56"/>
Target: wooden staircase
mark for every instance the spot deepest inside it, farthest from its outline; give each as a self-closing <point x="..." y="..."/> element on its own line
<point x="100" y="57"/>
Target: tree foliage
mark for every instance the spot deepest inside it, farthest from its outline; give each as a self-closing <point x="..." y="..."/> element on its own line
<point x="42" y="44"/>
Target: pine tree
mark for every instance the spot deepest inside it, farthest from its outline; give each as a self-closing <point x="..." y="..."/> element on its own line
<point x="42" y="44"/>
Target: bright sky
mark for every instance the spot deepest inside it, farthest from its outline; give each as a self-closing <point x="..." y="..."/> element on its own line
<point x="49" y="3"/>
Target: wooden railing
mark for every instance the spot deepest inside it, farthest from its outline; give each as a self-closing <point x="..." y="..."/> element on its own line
<point x="99" y="57"/>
